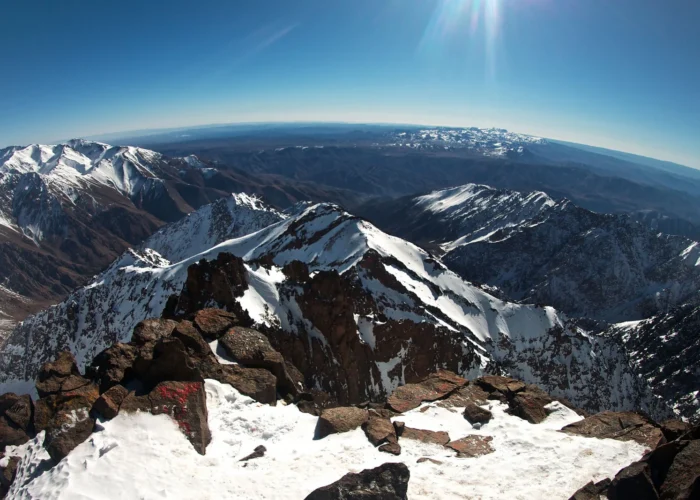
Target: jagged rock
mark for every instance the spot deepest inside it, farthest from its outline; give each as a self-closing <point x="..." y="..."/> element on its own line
<point x="504" y="385"/>
<point x="476" y="414"/>
<point x="170" y="362"/>
<point x="683" y="478"/>
<point x="257" y="453"/>
<point x="379" y="431"/>
<point x="592" y="491"/>
<point x="7" y="476"/>
<point x="342" y="419"/>
<point x="623" y="426"/>
<point x="69" y="426"/>
<point x="673" y="429"/>
<point x="18" y="410"/>
<point x="152" y="330"/>
<point x="214" y="323"/>
<point x="470" y="393"/>
<point x="315" y="401"/>
<point x="107" y="405"/>
<point x="11" y="434"/>
<point x="53" y="376"/>
<point x="530" y="405"/>
<point x="191" y="339"/>
<point x="435" y="437"/>
<point x="472" y="446"/>
<point x="256" y="383"/>
<point x="185" y="402"/>
<point x="386" y="482"/>
<point x="436" y="386"/>
<point x="393" y="448"/>
<point x="253" y="349"/>
<point x="633" y="482"/>
<point x="110" y="367"/>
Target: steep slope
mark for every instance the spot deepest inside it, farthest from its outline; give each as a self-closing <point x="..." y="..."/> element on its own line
<point x="362" y="312"/>
<point x="537" y="250"/>
<point x="68" y="210"/>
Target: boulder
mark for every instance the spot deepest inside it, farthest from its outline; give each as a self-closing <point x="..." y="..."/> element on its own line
<point x="193" y="341"/>
<point x="470" y="393"/>
<point x="633" y="482"/>
<point x="436" y="386"/>
<point x="257" y="453"/>
<point x="170" y="362"/>
<point x="592" y="491"/>
<point x="393" y="448"/>
<point x="475" y="414"/>
<point x="315" y="401"/>
<point x="152" y="330"/>
<point x="11" y="434"/>
<point x="342" y="419"/>
<point x="503" y="385"/>
<point x="53" y="375"/>
<point x="379" y="431"/>
<point x="682" y="480"/>
<point x="472" y="446"/>
<point x="673" y="429"/>
<point x="253" y="349"/>
<point x="109" y="402"/>
<point x="623" y="426"/>
<point x="18" y="410"/>
<point x="112" y="366"/>
<point x="530" y="405"/>
<point x="259" y="384"/>
<point x="386" y="482"/>
<point x="184" y="402"/>
<point x="214" y="323"/>
<point x="435" y="437"/>
<point x="69" y="426"/>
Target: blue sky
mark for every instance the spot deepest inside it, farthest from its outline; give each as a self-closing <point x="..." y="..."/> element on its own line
<point x="623" y="74"/>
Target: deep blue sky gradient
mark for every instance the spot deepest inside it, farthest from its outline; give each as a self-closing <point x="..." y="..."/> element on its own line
<point x="623" y="74"/>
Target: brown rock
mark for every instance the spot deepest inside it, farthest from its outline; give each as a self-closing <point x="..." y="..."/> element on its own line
<point x="11" y="434"/>
<point x="683" y="478"/>
<point x="53" y="374"/>
<point x="18" y="410"/>
<point x="110" y="367"/>
<point x="623" y="426"/>
<point x="185" y="402"/>
<point x="530" y="405"/>
<point x="296" y="271"/>
<point x="192" y="340"/>
<point x="435" y="387"/>
<point x="69" y="426"/>
<point x="474" y="414"/>
<point x="386" y="482"/>
<point x="171" y="362"/>
<point x="592" y="491"/>
<point x="504" y="385"/>
<point x="259" y="384"/>
<point x="342" y="419"/>
<point x="214" y="323"/>
<point x="673" y="429"/>
<point x="472" y="446"/>
<point x="435" y="437"/>
<point x="107" y="405"/>
<point x="470" y="393"/>
<point x="152" y="330"/>
<point x="633" y="482"/>
<point x="380" y="430"/>
<point x="251" y="348"/>
<point x="7" y="475"/>
<point x="257" y="453"/>
<point x="393" y="448"/>
<point x="315" y="401"/>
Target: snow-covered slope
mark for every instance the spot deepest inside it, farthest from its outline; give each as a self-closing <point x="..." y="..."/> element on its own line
<point x="125" y="459"/>
<point x="401" y="309"/>
<point x="537" y="250"/>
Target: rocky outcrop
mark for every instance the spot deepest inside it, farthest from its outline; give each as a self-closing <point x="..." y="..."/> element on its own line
<point x="623" y="426"/>
<point x="386" y="482"/>
<point x="16" y="419"/>
<point x="342" y="419"/>
<point x="437" y="386"/>
<point x="7" y="475"/>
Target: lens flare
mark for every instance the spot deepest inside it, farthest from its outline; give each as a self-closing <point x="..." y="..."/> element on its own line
<point x="465" y="19"/>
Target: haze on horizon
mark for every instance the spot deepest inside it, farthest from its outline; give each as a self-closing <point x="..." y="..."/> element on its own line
<point x="617" y="74"/>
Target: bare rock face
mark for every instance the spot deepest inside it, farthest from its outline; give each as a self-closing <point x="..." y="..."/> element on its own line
<point x="386" y="482"/>
<point x="60" y="376"/>
<point x="109" y="402"/>
<point x="592" y="491"/>
<point x="7" y="475"/>
<point x="342" y="419"/>
<point x="112" y="365"/>
<point x="152" y="330"/>
<point x="69" y="426"/>
<point x="185" y="402"/>
<point x="623" y="426"/>
<point x="259" y="384"/>
<point x="16" y="426"/>
<point x="472" y="446"/>
<point x="213" y="323"/>
<point x="436" y="386"/>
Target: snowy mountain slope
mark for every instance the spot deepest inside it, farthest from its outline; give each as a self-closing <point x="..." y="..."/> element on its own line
<point x="125" y="459"/>
<point x="398" y="311"/>
<point x="586" y="264"/>
<point x="68" y="210"/>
